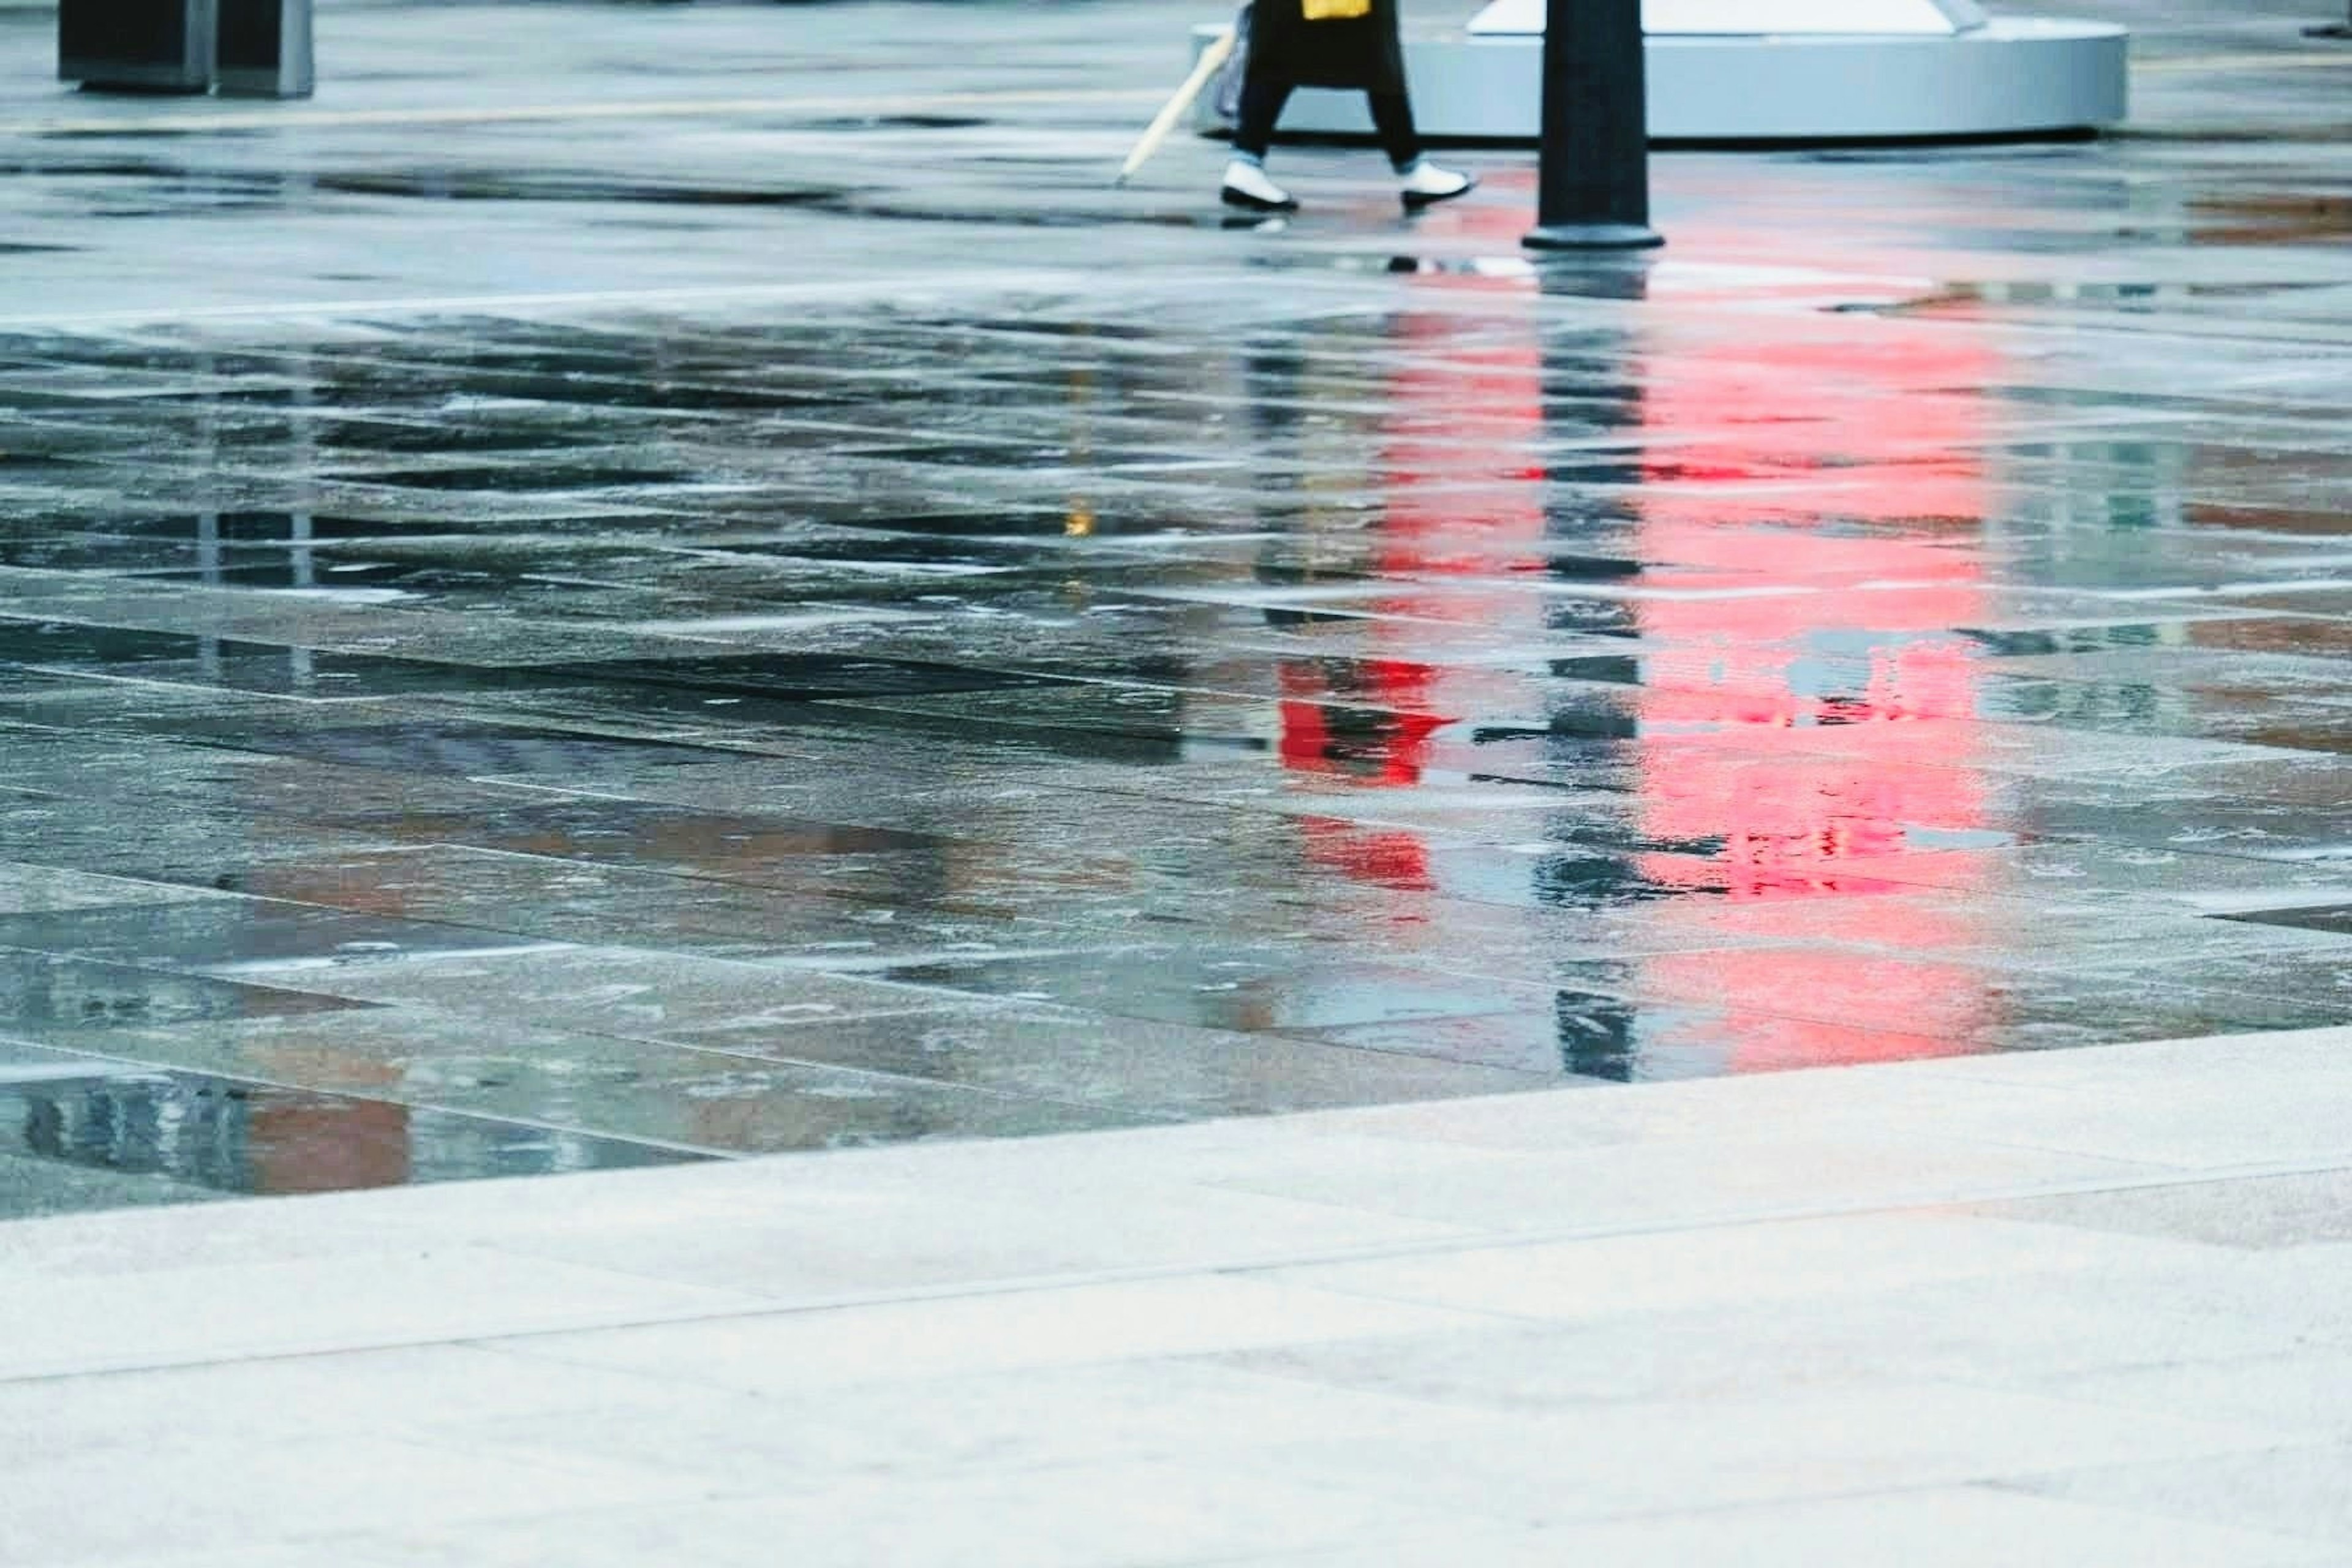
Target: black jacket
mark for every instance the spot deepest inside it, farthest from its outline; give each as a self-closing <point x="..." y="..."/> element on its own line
<point x="1361" y="52"/>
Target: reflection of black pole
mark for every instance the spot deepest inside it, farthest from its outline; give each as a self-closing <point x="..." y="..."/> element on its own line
<point x="1595" y="185"/>
<point x="2334" y="30"/>
<point x="1594" y="424"/>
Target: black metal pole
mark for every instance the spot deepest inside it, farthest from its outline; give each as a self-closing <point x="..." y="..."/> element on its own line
<point x="1595" y="183"/>
<point x="2334" y="30"/>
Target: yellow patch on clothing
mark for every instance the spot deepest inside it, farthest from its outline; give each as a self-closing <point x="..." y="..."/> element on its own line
<point x="1336" y="10"/>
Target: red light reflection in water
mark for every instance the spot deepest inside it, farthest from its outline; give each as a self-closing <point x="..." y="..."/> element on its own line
<point x="1850" y="404"/>
<point x="1382" y="745"/>
<point x="1792" y="728"/>
<point x="1455" y="442"/>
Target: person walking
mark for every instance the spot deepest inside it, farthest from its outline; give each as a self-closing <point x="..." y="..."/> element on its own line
<point x="1328" y="43"/>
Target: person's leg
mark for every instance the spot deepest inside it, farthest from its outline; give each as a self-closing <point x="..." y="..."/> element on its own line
<point x="1262" y="102"/>
<point x="1392" y="117"/>
<point x="1246" y="185"/>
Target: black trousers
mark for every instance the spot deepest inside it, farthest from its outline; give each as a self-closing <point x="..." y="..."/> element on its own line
<point x="1262" y="102"/>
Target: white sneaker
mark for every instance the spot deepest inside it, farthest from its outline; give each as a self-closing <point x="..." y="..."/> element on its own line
<point x="1248" y="186"/>
<point x="1426" y="184"/>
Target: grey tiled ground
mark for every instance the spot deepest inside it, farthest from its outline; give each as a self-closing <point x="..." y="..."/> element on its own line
<point x="636" y="585"/>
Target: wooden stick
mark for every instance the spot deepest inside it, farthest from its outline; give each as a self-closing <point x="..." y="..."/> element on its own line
<point x="1213" y="60"/>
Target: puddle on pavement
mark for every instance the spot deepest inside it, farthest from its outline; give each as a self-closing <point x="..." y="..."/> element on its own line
<point x="1405" y="265"/>
<point x="896" y="123"/>
<point x="2144" y="298"/>
<point x="68" y="1001"/>
<point x="162" y="190"/>
<point x="499" y="186"/>
<point x="1441" y="687"/>
<point x="158" y="1134"/>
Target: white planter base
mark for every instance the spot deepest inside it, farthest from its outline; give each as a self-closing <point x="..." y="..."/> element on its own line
<point x="2011" y="77"/>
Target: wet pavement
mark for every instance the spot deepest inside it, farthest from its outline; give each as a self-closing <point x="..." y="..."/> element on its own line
<point x="572" y="618"/>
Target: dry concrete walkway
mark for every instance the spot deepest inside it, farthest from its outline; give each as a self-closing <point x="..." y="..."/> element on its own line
<point x="2078" y="1307"/>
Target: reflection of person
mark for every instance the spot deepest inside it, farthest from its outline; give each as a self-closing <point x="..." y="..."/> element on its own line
<point x="1328" y="43"/>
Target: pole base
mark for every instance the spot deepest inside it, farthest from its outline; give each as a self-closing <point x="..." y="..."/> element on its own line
<point x="1594" y="237"/>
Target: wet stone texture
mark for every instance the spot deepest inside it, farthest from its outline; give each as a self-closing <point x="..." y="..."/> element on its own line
<point x="520" y="651"/>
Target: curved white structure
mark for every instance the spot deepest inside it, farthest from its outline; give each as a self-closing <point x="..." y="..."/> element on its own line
<point x="1772" y="70"/>
<point x="1749" y="19"/>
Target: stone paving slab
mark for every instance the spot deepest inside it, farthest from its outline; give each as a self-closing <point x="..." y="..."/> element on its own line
<point x="1958" y="1325"/>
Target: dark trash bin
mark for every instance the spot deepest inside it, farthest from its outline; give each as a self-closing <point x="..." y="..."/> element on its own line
<point x="265" y="48"/>
<point x="139" y="45"/>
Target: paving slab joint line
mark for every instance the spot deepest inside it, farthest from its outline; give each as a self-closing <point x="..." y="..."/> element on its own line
<point x="2295" y="59"/>
<point x="1035" y="1284"/>
<point x="185" y="123"/>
